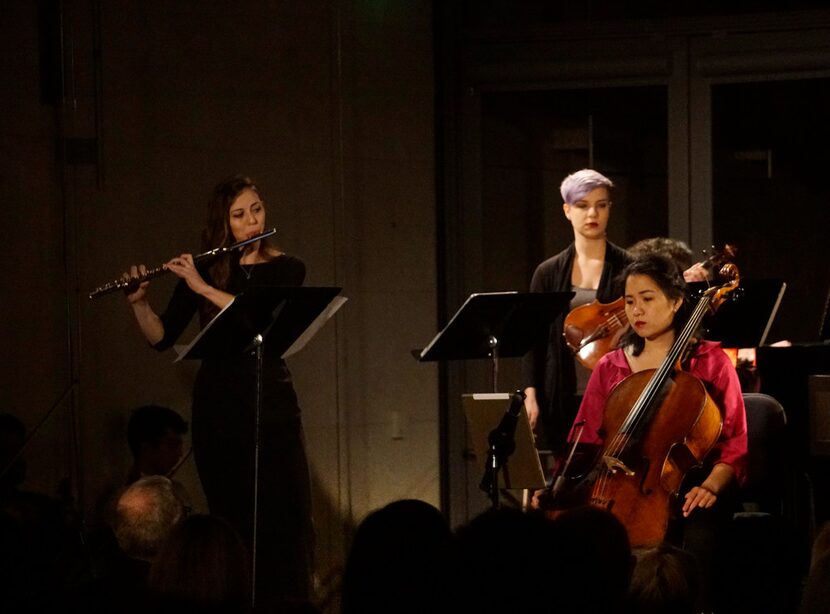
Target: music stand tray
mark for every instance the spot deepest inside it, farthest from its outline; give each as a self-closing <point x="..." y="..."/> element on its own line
<point x="484" y="413"/>
<point x="496" y="324"/>
<point x="286" y="316"/>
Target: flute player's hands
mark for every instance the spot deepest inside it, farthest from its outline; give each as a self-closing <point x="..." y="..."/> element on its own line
<point x="136" y="293"/>
<point x="184" y="267"/>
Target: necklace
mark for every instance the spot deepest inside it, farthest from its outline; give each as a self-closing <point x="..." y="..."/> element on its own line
<point x="247" y="269"/>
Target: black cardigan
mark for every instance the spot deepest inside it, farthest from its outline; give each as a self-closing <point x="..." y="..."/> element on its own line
<point x="549" y="366"/>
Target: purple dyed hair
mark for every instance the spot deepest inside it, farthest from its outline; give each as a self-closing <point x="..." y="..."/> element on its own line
<point x="578" y="184"/>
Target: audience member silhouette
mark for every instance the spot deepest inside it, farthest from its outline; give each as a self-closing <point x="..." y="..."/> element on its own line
<point x="402" y="560"/>
<point x="821" y="545"/>
<point x="665" y="581"/>
<point x="594" y="561"/>
<point x="816" y="597"/>
<point x="156" y="438"/>
<point x="115" y="576"/>
<point x="506" y="563"/>
<point x="34" y="530"/>
<point x="203" y="567"/>
<point x="145" y="514"/>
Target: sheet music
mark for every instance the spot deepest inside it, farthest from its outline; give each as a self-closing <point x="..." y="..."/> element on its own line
<point x="484" y="412"/>
<point x="316" y="325"/>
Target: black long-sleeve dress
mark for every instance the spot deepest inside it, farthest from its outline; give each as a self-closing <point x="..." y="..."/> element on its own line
<point x="223" y="442"/>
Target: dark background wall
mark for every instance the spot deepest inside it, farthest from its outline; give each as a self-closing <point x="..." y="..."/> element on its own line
<point x="409" y="152"/>
<point x="117" y="120"/>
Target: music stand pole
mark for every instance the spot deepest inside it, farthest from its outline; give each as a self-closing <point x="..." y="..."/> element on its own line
<point x="493" y="344"/>
<point x="259" y="344"/>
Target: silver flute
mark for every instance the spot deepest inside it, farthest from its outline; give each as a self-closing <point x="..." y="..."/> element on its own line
<point x="131" y="283"/>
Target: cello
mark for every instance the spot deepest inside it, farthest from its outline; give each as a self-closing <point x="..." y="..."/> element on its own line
<point x="593" y="330"/>
<point x="658" y="424"/>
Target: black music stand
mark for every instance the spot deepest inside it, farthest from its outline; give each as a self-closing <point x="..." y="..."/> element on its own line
<point x="495" y="325"/>
<point x="285" y="317"/>
<point x="744" y="320"/>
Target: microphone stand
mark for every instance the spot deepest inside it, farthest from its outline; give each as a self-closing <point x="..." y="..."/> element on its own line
<point x="501" y="444"/>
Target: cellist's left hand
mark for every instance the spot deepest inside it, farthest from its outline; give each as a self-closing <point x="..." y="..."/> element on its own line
<point x="699" y="496"/>
<point x="706" y="495"/>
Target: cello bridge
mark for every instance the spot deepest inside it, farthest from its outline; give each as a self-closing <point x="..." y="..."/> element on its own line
<point x="613" y="464"/>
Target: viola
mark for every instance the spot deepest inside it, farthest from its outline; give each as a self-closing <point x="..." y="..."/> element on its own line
<point x="593" y="330"/>
<point x="660" y="424"/>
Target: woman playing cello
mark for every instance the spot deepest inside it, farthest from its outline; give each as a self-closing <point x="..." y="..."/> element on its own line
<point x="657" y="308"/>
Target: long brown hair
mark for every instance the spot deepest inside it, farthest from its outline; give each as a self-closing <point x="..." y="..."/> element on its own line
<point x="217" y="233"/>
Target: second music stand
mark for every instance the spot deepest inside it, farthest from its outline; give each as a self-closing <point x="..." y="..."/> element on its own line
<point x="496" y="325"/>
<point x="745" y="321"/>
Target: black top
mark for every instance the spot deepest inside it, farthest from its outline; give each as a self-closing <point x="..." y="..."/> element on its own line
<point x="549" y="366"/>
<point x="284" y="270"/>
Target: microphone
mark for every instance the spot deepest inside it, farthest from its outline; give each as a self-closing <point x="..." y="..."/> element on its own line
<point x="502" y="435"/>
<point x="502" y="443"/>
<point x="517" y="400"/>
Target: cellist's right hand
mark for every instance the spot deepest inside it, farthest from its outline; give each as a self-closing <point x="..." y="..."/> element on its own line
<point x="541" y="499"/>
<point x="136" y="294"/>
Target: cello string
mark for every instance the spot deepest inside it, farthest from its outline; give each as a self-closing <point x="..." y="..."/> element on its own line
<point x="654" y="386"/>
<point x="638" y="412"/>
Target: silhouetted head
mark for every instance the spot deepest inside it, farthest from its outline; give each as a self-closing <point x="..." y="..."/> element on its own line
<point x="401" y="560"/>
<point x="593" y="561"/>
<point x="665" y="581"/>
<point x="506" y="561"/>
<point x="202" y="565"/>
<point x="156" y="438"/>
<point x="146" y="512"/>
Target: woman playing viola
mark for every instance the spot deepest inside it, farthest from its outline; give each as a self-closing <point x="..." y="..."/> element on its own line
<point x="588" y="267"/>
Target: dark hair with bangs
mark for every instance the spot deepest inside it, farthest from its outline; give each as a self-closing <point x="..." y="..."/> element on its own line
<point x="666" y="273"/>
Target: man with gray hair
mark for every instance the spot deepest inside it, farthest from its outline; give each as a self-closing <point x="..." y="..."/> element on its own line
<point x="145" y="514"/>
